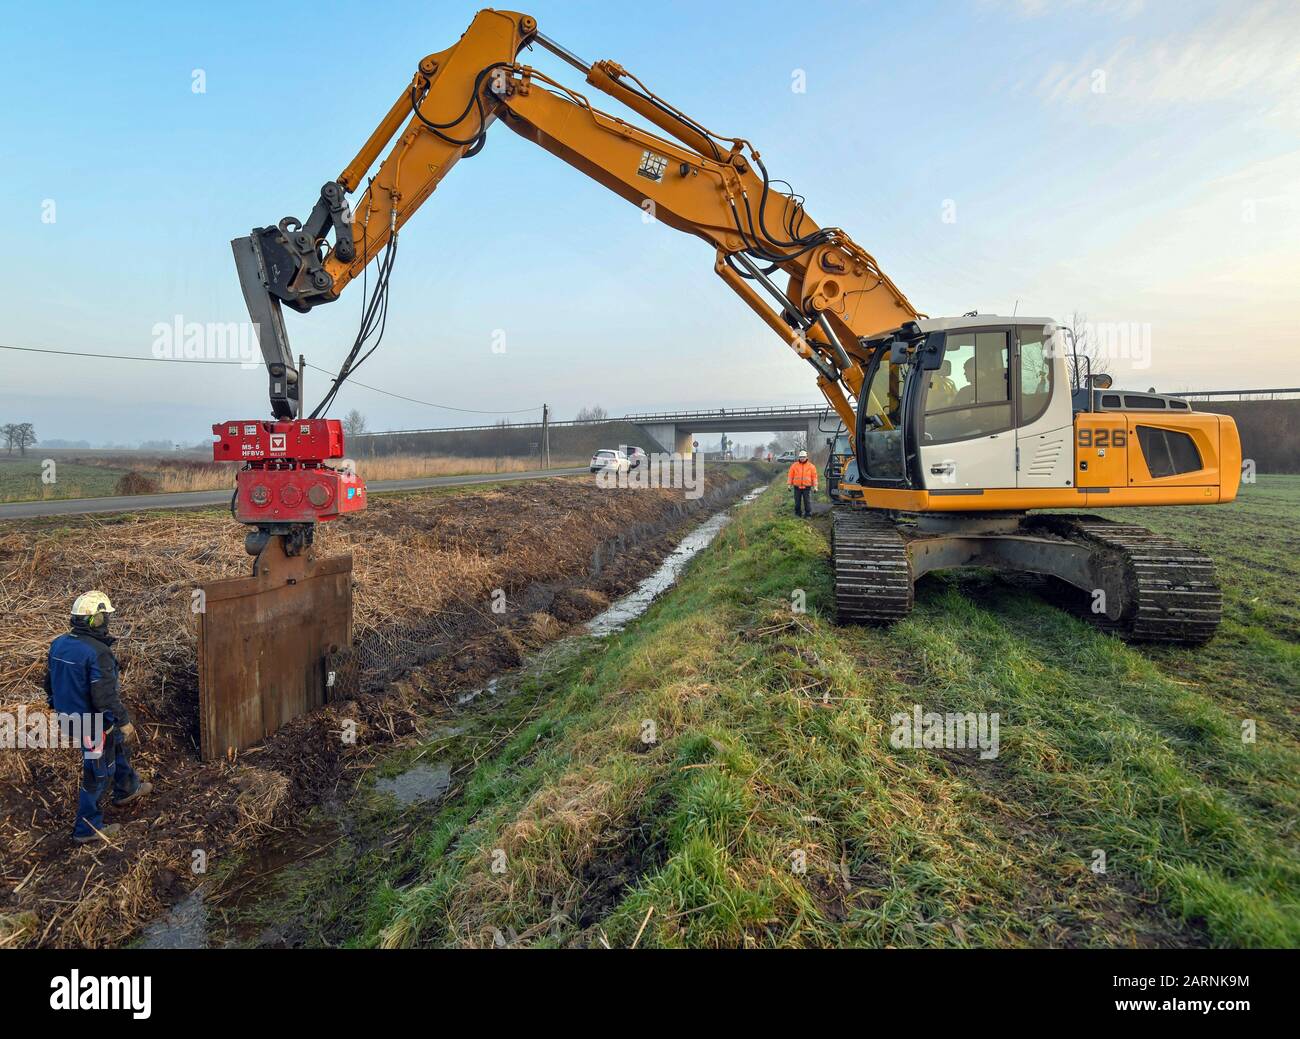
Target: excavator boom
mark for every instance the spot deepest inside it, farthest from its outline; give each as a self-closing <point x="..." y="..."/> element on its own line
<point x="716" y="188"/>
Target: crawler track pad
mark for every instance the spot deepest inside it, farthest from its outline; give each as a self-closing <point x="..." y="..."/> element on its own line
<point x="873" y="577"/>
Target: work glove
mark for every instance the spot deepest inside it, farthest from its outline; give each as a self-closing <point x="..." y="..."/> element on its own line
<point x="128" y="732"/>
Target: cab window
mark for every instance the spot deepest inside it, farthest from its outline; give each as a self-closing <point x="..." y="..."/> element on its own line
<point x="969" y="396"/>
<point x="878" y="398"/>
<point x="881" y="452"/>
<point x="1035" y="375"/>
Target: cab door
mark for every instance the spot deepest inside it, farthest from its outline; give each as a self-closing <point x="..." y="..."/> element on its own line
<point x="968" y="438"/>
<point x="1044" y="412"/>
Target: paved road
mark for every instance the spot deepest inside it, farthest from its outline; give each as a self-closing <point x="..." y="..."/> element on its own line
<point x="206" y="499"/>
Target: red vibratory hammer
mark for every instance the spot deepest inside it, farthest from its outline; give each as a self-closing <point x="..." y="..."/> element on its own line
<point x="286" y="483"/>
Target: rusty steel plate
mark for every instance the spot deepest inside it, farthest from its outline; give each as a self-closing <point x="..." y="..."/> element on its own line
<point x="263" y="644"/>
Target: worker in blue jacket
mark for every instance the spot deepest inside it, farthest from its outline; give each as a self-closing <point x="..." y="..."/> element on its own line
<point x="81" y="679"/>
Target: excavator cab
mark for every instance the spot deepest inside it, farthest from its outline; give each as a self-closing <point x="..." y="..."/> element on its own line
<point x="979" y="413"/>
<point x="968" y="424"/>
<point x="956" y="404"/>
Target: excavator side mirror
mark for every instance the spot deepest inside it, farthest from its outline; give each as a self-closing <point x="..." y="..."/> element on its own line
<point x="1100" y="381"/>
<point x="927" y="353"/>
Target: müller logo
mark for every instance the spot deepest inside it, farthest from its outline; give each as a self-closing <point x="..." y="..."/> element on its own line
<point x="279" y="443"/>
<point x="73" y="992"/>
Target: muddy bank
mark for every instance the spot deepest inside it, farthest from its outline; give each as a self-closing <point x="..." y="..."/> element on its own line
<point x="475" y="641"/>
<point x="304" y="889"/>
<point x="427" y="568"/>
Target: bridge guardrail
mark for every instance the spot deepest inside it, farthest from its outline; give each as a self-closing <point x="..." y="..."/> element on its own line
<point x="1272" y="394"/>
<point x="780" y="411"/>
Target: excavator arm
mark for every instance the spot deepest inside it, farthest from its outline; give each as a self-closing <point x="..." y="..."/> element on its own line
<point x="833" y="295"/>
<point x="273" y="644"/>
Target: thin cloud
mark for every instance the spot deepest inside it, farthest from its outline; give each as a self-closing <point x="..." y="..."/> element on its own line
<point x="1252" y="59"/>
<point x="1122" y="9"/>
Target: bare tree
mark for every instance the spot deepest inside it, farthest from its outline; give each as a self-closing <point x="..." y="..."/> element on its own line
<point x="1083" y="356"/>
<point x="24" y="437"/>
<point x="9" y="431"/>
<point x="354" y="423"/>
<point x="595" y="413"/>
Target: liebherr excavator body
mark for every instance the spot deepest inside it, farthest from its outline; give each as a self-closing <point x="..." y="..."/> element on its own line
<point x="960" y="427"/>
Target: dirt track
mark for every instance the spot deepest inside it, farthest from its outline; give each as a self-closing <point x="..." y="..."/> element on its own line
<point x="426" y="566"/>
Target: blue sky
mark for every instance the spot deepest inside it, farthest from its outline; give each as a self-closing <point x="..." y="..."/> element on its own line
<point x="1168" y="198"/>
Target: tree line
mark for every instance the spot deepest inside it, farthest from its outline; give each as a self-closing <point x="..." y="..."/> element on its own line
<point x="21" y="435"/>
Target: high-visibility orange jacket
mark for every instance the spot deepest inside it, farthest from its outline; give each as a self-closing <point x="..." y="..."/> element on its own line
<point x="802" y="474"/>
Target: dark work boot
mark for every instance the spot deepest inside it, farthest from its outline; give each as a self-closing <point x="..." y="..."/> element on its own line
<point x="111" y="830"/>
<point x="140" y="791"/>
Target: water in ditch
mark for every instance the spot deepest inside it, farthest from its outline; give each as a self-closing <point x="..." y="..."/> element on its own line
<point x="637" y="601"/>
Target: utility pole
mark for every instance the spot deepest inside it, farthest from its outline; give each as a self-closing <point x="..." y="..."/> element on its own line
<point x="302" y="399"/>
<point x="546" y="436"/>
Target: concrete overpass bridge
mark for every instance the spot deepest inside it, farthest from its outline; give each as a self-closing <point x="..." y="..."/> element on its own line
<point x="675" y="430"/>
<point x="678" y="430"/>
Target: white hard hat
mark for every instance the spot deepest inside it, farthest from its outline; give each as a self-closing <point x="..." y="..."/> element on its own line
<point x="803" y="454"/>
<point x="91" y="603"/>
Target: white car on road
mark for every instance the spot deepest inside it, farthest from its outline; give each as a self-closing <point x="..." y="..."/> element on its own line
<point x="607" y="459"/>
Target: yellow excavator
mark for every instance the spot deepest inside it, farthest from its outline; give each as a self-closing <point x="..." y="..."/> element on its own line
<point x="960" y="427"/>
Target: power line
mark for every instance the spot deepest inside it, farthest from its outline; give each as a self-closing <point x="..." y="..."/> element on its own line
<point x="428" y="404"/>
<point x="123" y="357"/>
<point x="252" y="364"/>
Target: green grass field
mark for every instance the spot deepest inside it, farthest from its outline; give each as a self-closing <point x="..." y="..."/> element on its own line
<point x="771" y="809"/>
<point x="20" y="479"/>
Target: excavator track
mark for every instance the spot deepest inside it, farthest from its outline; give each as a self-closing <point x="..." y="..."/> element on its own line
<point x="873" y="578"/>
<point x="1166" y="591"/>
<point x="1173" y="593"/>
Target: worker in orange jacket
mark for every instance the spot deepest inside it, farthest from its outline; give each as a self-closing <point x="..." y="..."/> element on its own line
<point x="803" y="478"/>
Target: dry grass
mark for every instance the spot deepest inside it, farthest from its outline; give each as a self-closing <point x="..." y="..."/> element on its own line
<point x="211" y="476"/>
<point x="168" y="476"/>
<point x="410" y="467"/>
<point x="151" y="563"/>
<point x="99" y="475"/>
<point x="415" y="557"/>
<point x="218" y="476"/>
